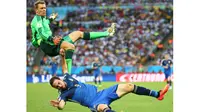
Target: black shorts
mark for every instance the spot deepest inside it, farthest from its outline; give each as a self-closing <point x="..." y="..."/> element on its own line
<point x="50" y="50"/>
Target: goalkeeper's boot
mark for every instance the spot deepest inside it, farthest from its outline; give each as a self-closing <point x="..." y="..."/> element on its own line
<point x="111" y="30"/>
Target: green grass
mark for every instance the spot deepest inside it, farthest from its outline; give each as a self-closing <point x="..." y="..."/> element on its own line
<point x="39" y="95"/>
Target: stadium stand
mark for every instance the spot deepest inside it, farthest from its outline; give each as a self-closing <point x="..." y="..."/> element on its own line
<point x="140" y="31"/>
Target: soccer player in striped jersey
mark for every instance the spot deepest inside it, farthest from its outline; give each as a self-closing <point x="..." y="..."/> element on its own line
<point x="87" y="95"/>
<point x="96" y="71"/>
<point x="50" y="44"/>
<point x="167" y="65"/>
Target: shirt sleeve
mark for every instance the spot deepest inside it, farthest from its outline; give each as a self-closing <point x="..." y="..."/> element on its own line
<point x="40" y="29"/>
<point x="99" y="64"/>
<point x="171" y="62"/>
<point x="163" y="63"/>
<point x="92" y="64"/>
<point x="63" y="96"/>
<point x="67" y="94"/>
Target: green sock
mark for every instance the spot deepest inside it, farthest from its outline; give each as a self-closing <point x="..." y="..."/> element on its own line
<point x="68" y="59"/>
<point x="94" y="35"/>
<point x="69" y="65"/>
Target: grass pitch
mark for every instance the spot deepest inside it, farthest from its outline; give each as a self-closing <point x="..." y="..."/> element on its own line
<point x="39" y="95"/>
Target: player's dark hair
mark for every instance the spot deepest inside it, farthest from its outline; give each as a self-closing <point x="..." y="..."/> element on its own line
<point x="52" y="80"/>
<point x="38" y="2"/>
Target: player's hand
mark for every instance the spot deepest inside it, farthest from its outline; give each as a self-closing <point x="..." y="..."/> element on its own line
<point x="57" y="39"/>
<point x="53" y="16"/>
<point x="62" y="52"/>
<point x="54" y="103"/>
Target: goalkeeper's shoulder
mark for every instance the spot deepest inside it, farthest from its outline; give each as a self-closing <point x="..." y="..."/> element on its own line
<point x="34" y="21"/>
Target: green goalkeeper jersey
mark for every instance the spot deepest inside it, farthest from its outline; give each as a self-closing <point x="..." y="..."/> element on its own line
<point x="41" y="31"/>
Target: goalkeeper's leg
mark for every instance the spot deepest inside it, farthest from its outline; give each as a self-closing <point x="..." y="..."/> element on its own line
<point x="69" y="49"/>
<point x="76" y="35"/>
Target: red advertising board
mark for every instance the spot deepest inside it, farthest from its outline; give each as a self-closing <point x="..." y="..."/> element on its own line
<point x="140" y="77"/>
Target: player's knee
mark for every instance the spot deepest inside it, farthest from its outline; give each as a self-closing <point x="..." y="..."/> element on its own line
<point x="72" y="47"/>
<point x="79" y="33"/>
<point x="102" y="107"/>
<point x="129" y="87"/>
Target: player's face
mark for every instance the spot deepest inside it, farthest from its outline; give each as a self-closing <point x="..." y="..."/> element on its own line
<point x="96" y="59"/>
<point x="166" y="56"/>
<point x="41" y="10"/>
<point x="59" y="84"/>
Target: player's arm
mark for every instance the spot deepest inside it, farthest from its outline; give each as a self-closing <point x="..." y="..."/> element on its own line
<point x="93" y="67"/>
<point x="34" y="40"/>
<point x="39" y="28"/>
<point x="164" y="65"/>
<point x="171" y="63"/>
<point x="64" y="65"/>
<point x="59" y="104"/>
<point x="99" y="65"/>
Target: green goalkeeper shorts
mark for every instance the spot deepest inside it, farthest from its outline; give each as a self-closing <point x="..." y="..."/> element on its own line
<point x="53" y="50"/>
<point x="68" y="39"/>
<point x="50" y="50"/>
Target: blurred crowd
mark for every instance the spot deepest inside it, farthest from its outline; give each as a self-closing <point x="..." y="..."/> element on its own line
<point x="53" y="3"/>
<point x="140" y="30"/>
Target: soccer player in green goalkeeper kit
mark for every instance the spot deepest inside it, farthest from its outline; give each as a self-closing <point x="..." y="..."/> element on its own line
<point x="42" y="35"/>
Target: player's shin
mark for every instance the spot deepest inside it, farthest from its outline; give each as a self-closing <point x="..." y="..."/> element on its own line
<point x="95" y="81"/>
<point x="144" y="91"/>
<point x="94" y="35"/>
<point x="99" y="82"/>
<point x="169" y="82"/>
<point x="68" y="59"/>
